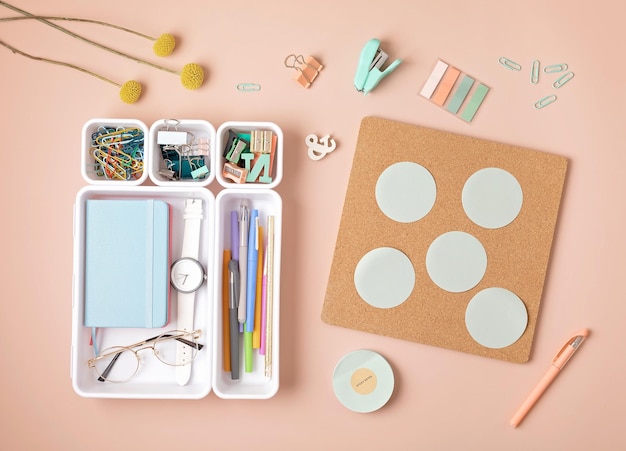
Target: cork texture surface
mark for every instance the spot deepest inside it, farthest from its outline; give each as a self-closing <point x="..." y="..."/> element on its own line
<point x="517" y="254"/>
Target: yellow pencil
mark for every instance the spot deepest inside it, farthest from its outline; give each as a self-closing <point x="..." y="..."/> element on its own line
<point x="225" y="322"/>
<point x="270" y="296"/>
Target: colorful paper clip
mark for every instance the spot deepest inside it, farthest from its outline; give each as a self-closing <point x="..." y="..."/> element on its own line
<point x="368" y="73"/>
<point x="308" y="68"/>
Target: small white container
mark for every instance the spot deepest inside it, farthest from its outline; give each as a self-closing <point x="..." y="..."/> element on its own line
<point x="196" y="130"/>
<point x="252" y="385"/>
<point x="88" y="163"/>
<point x="246" y="127"/>
<point x="153" y="379"/>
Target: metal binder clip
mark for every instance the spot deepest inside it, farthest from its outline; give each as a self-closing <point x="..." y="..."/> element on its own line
<point x="308" y="68"/>
<point x="169" y="135"/>
<point x="368" y="73"/>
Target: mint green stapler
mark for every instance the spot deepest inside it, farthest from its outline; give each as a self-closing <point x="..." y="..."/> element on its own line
<point x="368" y="73"/>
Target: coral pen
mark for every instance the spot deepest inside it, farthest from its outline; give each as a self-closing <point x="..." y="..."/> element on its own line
<point x="558" y="363"/>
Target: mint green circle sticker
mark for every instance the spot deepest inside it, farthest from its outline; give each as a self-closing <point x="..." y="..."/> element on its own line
<point x="456" y="261"/>
<point x="406" y="192"/>
<point x="384" y="277"/>
<point x="492" y="198"/>
<point x="496" y="318"/>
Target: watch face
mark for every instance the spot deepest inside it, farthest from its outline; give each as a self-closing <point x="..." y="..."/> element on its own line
<point x="187" y="275"/>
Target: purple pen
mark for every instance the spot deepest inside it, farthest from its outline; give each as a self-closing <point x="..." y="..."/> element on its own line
<point x="234" y="235"/>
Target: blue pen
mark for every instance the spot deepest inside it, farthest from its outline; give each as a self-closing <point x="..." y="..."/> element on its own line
<point x="253" y="257"/>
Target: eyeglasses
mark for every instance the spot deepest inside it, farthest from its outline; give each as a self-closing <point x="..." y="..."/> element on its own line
<point x="120" y="363"/>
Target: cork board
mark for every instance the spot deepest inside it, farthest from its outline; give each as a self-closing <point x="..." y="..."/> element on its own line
<point x="517" y="254"/>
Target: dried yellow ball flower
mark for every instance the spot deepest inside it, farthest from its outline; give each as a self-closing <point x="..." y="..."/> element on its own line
<point x="164" y="45"/>
<point x="131" y="91"/>
<point x="192" y="76"/>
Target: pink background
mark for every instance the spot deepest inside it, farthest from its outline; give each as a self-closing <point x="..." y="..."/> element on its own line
<point x="443" y="399"/>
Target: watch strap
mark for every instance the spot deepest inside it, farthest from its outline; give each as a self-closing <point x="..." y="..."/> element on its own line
<point x="186" y="301"/>
<point x="185" y="323"/>
<point x="191" y="234"/>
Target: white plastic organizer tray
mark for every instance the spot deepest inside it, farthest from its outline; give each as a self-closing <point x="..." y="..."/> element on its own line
<point x="246" y="127"/>
<point x="254" y="384"/>
<point x="88" y="163"/>
<point x="196" y="129"/>
<point x="153" y="379"/>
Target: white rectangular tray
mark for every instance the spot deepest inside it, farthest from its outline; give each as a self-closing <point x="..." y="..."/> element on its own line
<point x="153" y="379"/>
<point x="252" y="385"/>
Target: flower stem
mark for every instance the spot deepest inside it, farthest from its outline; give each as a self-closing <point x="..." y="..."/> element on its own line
<point x="75" y="19"/>
<point x="81" y="38"/>
<point x="59" y="63"/>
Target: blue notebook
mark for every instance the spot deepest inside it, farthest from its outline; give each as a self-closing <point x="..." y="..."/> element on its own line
<point x="126" y="263"/>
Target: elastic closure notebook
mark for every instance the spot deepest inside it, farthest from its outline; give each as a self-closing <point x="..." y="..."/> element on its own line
<point x="126" y="263"/>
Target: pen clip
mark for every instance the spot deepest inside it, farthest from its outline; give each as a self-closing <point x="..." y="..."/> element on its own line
<point x="574" y="343"/>
<point x="243" y="227"/>
<point x="233" y="267"/>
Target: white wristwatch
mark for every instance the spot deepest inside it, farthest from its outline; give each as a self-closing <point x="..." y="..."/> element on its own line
<point x="186" y="276"/>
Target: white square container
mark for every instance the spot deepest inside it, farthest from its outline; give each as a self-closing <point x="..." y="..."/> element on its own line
<point x="253" y="385"/>
<point x="153" y="379"/>
<point x="196" y="129"/>
<point x="88" y="163"/>
<point x="246" y="127"/>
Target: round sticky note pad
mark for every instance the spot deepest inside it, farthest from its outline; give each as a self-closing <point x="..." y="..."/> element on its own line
<point x="406" y="191"/>
<point x="363" y="381"/>
<point x="384" y="277"/>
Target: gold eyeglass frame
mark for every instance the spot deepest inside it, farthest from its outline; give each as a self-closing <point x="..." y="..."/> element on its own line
<point x="186" y="337"/>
